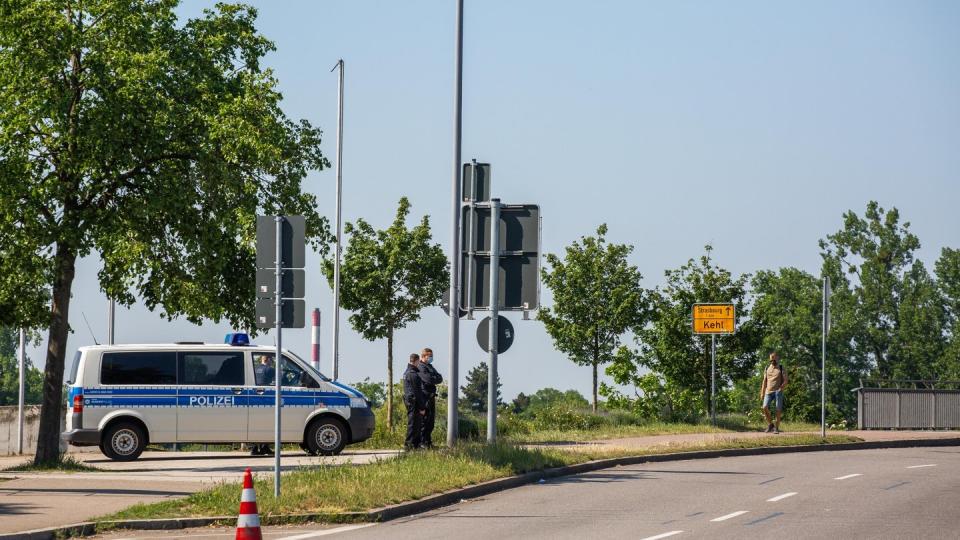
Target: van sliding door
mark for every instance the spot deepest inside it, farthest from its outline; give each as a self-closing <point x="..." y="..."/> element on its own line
<point x="212" y="400"/>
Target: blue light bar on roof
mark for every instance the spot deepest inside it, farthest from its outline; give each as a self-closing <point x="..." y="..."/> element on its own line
<point x="237" y="338"/>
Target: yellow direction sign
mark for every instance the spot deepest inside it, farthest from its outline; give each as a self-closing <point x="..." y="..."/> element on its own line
<point x="714" y="318"/>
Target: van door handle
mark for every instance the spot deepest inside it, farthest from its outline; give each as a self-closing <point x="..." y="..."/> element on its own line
<point x="260" y="391"/>
<point x="238" y="391"/>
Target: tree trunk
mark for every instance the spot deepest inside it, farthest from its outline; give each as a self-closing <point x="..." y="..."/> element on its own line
<point x="48" y="439"/>
<point x="594" y="386"/>
<point x="390" y="380"/>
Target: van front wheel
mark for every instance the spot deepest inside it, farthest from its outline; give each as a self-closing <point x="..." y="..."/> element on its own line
<point x="123" y="441"/>
<point x="326" y="437"/>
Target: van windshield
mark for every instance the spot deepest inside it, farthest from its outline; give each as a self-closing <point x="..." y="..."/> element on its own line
<point x="309" y="366"/>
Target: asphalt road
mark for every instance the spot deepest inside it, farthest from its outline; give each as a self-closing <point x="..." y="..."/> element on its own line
<point x="898" y="493"/>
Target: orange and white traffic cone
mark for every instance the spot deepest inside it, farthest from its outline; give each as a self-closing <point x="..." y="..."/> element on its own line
<point x="248" y="524"/>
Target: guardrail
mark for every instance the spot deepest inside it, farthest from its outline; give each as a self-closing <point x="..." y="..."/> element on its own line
<point x="908" y="404"/>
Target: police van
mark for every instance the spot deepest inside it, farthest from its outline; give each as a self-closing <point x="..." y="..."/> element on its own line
<point x="123" y="397"/>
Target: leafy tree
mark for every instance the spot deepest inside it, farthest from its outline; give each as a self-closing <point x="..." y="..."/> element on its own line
<point x="597" y="298"/>
<point x="948" y="279"/>
<point x="901" y="316"/>
<point x="376" y="392"/>
<point x="788" y="313"/>
<point x="388" y="277"/>
<point x="668" y="346"/>
<point x="475" y="389"/>
<point x="520" y="403"/>
<point x="153" y="144"/>
<point x="551" y="397"/>
<point x="10" y="371"/>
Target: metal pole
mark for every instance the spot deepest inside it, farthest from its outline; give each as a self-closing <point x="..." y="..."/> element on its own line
<point x="452" y="396"/>
<point x="315" y="339"/>
<point x="111" y="321"/>
<point x="494" y="319"/>
<point x="713" y="379"/>
<point x="823" y="358"/>
<point x="277" y="365"/>
<point x="22" y="366"/>
<point x="336" y="263"/>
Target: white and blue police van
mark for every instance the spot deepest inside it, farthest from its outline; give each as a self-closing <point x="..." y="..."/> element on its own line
<point x="124" y="397"/>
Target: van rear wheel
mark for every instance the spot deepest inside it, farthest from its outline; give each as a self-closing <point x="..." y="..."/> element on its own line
<point x="123" y="441"/>
<point x="326" y="437"/>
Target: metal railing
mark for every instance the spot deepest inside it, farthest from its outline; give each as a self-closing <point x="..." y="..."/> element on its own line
<point x="908" y="404"/>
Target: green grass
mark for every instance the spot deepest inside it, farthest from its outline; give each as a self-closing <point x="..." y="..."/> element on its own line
<point x="410" y="476"/>
<point x="66" y="463"/>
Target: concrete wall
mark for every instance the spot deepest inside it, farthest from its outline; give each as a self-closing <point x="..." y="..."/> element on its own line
<point x="31" y="422"/>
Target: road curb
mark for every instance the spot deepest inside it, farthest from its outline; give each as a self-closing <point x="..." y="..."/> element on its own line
<point x="454" y="496"/>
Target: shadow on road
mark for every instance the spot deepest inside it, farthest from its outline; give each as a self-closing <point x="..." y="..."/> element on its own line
<point x="99" y="491"/>
<point x="16" y="509"/>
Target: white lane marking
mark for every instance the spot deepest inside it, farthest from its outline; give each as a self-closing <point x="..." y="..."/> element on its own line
<point x="847" y="476"/>
<point x="730" y="515"/>
<point x="781" y="497"/>
<point x="664" y="535"/>
<point x="921" y="466"/>
<point x="326" y="532"/>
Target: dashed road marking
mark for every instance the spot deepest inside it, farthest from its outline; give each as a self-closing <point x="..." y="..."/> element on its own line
<point x="781" y="497"/>
<point x="922" y="466"/>
<point x="326" y="532"/>
<point x="664" y="535"/>
<point x="730" y="515"/>
<point x="847" y="476"/>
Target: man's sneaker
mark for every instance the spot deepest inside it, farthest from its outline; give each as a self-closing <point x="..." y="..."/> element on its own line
<point x="776" y="430"/>
<point x="769" y="428"/>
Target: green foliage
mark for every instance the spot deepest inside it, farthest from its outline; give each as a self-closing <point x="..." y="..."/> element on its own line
<point x="9" y="372"/>
<point x="597" y="298"/>
<point x="387" y="278"/>
<point x="475" y="390"/>
<point x="376" y="392"/>
<point x="948" y="279"/>
<point x="900" y="315"/>
<point x="680" y="359"/>
<point x="550" y="397"/>
<point x="151" y="143"/>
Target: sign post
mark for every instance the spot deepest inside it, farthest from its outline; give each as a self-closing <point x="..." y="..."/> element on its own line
<point x="494" y="316"/>
<point x="823" y="358"/>
<point x="714" y="319"/>
<point x="286" y="247"/>
<point x="22" y="375"/>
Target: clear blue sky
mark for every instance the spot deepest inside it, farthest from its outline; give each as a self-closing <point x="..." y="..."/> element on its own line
<point x="748" y="125"/>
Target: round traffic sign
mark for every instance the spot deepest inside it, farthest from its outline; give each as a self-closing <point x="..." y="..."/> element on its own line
<point x="504" y="334"/>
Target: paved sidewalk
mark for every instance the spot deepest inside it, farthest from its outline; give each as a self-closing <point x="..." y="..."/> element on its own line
<point x="34" y="500"/>
<point x="666" y="441"/>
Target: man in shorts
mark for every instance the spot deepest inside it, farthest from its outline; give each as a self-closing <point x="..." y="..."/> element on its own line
<point x="771" y="391"/>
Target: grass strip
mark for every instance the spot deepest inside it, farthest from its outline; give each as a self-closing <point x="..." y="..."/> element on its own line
<point x="411" y="476"/>
<point x="66" y="463"/>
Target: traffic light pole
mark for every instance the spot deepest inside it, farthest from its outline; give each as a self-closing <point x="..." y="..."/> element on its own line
<point x="452" y="388"/>
<point x="494" y="317"/>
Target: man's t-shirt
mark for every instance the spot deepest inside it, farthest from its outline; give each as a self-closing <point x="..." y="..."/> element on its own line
<point x="774" y="376"/>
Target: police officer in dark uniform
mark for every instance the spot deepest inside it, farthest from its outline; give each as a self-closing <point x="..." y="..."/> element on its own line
<point x="415" y="400"/>
<point x="430" y="378"/>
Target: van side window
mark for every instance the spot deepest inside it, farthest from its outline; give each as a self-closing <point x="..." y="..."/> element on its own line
<point x="212" y="368"/>
<point x="144" y="368"/>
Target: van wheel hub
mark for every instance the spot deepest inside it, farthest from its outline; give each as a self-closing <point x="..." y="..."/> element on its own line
<point x="124" y="442"/>
<point x="328" y="437"/>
